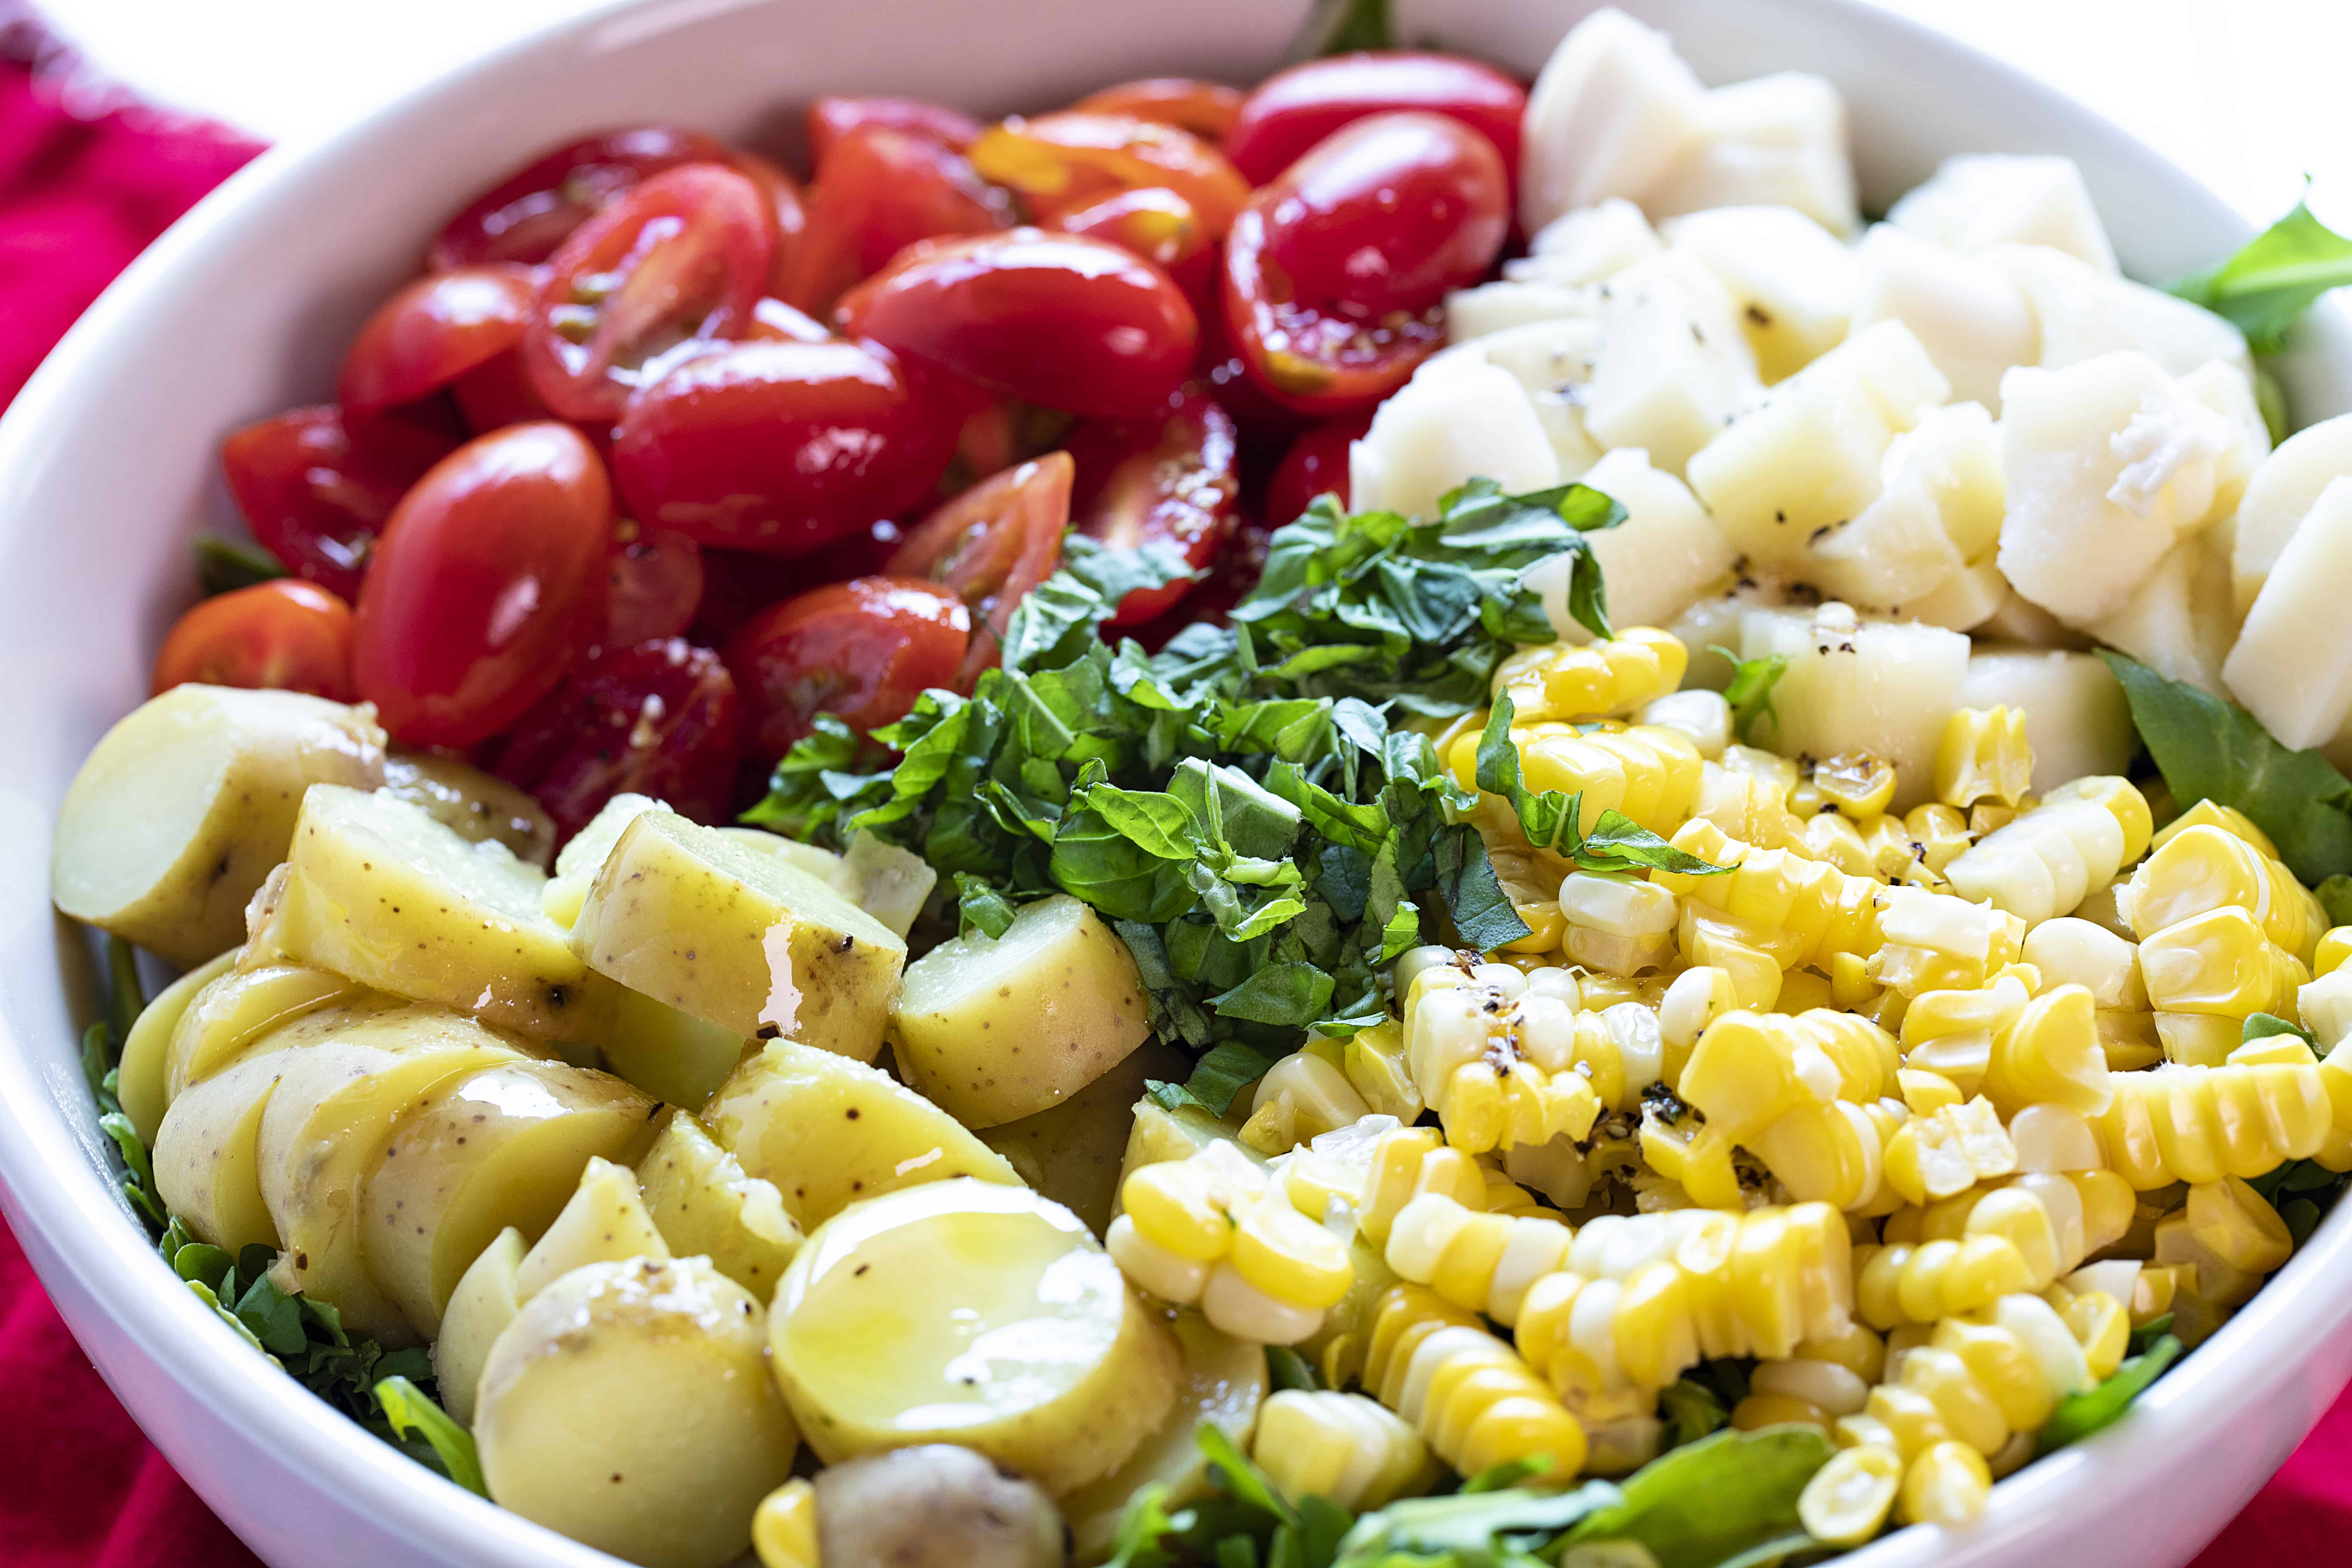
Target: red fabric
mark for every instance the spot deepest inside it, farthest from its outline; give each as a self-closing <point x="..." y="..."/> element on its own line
<point x="79" y="1487"/>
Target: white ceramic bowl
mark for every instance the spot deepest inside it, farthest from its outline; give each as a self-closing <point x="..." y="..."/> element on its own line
<point x="107" y="465"/>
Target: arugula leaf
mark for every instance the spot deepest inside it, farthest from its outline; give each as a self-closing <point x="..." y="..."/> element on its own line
<point x="224" y="566"/>
<point x="2211" y="749"/>
<point x="1505" y="1529"/>
<point x="2262" y="1026"/>
<point x="409" y="1410"/>
<point x="2080" y="1415"/>
<point x="2272" y="278"/>
<point x="1724" y="1497"/>
<point x="1750" y="692"/>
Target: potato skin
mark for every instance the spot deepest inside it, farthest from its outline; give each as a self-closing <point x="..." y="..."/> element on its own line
<point x="629" y="1406"/>
<point x="146" y="1054"/>
<point x="243" y="1005"/>
<point x="704" y="1204"/>
<point x="1072" y="1152"/>
<point x="938" y="1506"/>
<point x="206" y="1155"/>
<point x="226" y="771"/>
<point x="478" y="808"/>
<point x="486" y="1300"/>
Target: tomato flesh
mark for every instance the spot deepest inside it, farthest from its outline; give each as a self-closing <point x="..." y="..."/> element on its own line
<point x="488" y="581"/>
<point x="316" y="486"/>
<point x="1061" y="162"/>
<point x="660" y="718"/>
<point x="534" y="210"/>
<point x="861" y="650"/>
<point x="1317" y="464"/>
<point x="1059" y="320"/>
<point x="1169" y="481"/>
<point x="831" y="119"/>
<point x="1292" y="111"/>
<point x="781" y="447"/>
<point x="654" y="588"/>
<point x="433" y="332"/>
<point x="990" y="545"/>
<point x="879" y="190"/>
<point x="286" y="635"/>
<point x="1207" y="109"/>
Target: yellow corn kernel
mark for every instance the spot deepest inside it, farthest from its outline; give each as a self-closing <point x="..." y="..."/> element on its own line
<point x="1749" y="1069"/>
<point x="1848" y="1500"/>
<point x="2047" y="860"/>
<point x="1927" y="1281"/>
<point x="2050" y="1053"/>
<point x="1304" y="1096"/>
<point x="1375" y="1066"/>
<point x="2238" y="1225"/>
<point x="2195" y="1040"/>
<point x="1406" y="1164"/>
<point x="1342" y="1446"/>
<point x="2219" y="964"/>
<point x="2333" y="948"/>
<point x="1926" y="1092"/>
<point x="1804" y="990"/>
<point x="2122" y="799"/>
<point x="1210" y="1229"/>
<point x="1936" y="941"/>
<point x="2198" y="1124"/>
<point x="1749" y="807"/>
<point x="783" y="1529"/>
<point x="1938" y="1155"/>
<point x="1610" y="678"/>
<point x="1951" y="1031"/>
<point x="1473" y="1399"/>
<point x="1803" y="911"/>
<point x="1858" y="783"/>
<point x="1482" y="1261"/>
<point x="1648" y="773"/>
<point x="2208" y="868"/>
<point x="1984" y="756"/>
<point x="2206" y="1273"/>
<point x="2102" y="1326"/>
<point x="1289" y="1257"/>
<point x="1940" y="832"/>
<point x="2206" y="813"/>
<point x="1177" y="1210"/>
<point x="1946" y="1484"/>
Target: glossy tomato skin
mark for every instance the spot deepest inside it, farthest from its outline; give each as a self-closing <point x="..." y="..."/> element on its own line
<point x="785" y="198"/>
<point x="526" y="215"/>
<point x="685" y="255"/>
<point x="1234" y="573"/>
<point x="487" y="583"/>
<point x="654" y="588"/>
<point x="286" y="635"/>
<point x="989" y="545"/>
<point x="316" y="486"/>
<point x="831" y="119"/>
<point x="781" y="447"/>
<point x="1293" y="110"/>
<point x="1058" y="319"/>
<point x="498" y="392"/>
<point x="1207" y="109"/>
<point x="1169" y="481"/>
<point x="1061" y="162"/>
<point x="1159" y="226"/>
<point x="433" y="332"/>
<point x="661" y="717"/>
<point x="1317" y="464"/>
<point x="879" y="190"/>
<point x="861" y="650"/>
<point x="1336" y="273"/>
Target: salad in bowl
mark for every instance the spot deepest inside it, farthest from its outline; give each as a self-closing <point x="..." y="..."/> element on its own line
<point x="1396" y="818"/>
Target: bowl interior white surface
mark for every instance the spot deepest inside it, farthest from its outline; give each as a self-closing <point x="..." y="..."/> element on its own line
<point x="107" y="465"/>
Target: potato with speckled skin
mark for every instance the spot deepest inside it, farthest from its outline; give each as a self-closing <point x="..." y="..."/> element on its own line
<point x="504" y="1146"/>
<point x="478" y="808"/>
<point x="241" y="1007"/>
<point x="479" y="1309"/>
<point x="938" y="1506"/>
<point x="738" y="938"/>
<point x="188" y="802"/>
<point x="996" y="1029"/>
<point x="142" y="1076"/>
<point x="967" y="1312"/>
<point x="378" y="890"/>
<point x="829" y="1131"/>
<point x="1072" y="1152"/>
<point x="629" y="1406"/>
<point x="705" y="1206"/>
<point x="670" y="1054"/>
<point x="206" y="1155"/>
<point x="889" y="883"/>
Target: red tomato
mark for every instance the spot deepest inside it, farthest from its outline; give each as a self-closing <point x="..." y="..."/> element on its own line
<point x="861" y="650"/>
<point x="1336" y="273"/>
<point x="1236" y="572"/>
<point x="498" y="392"/>
<point x="1159" y="226"/>
<point x="861" y="552"/>
<point x="1059" y="162"/>
<point x="784" y="194"/>
<point x="878" y="191"/>
<point x="679" y="262"/>
<point x="655" y="585"/>
<point x="315" y="487"/>
<point x="1292" y="111"/>
<point x="990" y="546"/>
<point x="1058" y="319"/>
<point x="660" y="718"/>
<point x="738" y="583"/>
<point x="831" y="119"/>
<point x="433" y="332"/>
<point x="286" y="635"/>
<point x="526" y="215"/>
<point x="1316" y="464"/>
<point x="489" y="582"/>
<point x="773" y="322"/>
<point x="1206" y="109"/>
<point x="1169" y="481"/>
<point x="781" y="447"/>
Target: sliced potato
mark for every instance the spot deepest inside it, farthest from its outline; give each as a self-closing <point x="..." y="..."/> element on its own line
<point x="938" y="1506"/>
<point x="820" y="863"/>
<point x="629" y="1406"/>
<point x="240" y="1008"/>
<point x="498" y="1148"/>
<point x="583" y="857"/>
<point x="672" y="1056"/>
<point x="604" y="1222"/>
<point x="379" y="891"/>
<point x="829" y="1131"/>
<point x="206" y="1155"/>
<point x="141" y="1079"/>
<point x="737" y="939"/>
<point x="705" y="1206"/>
<point x="1071" y="1151"/>
<point x="188" y="802"/>
<point x="485" y="1302"/>
<point x="961" y="1311"/>
<point x="476" y="806"/>
<point x="2076" y="720"/>
<point x="886" y="881"/>
<point x="998" y="1028"/>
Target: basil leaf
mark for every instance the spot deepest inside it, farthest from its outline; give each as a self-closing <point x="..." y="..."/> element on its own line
<point x="1289" y="995"/>
<point x="1501" y="1528"/>
<point x="409" y="1409"/>
<point x="2272" y="278"/>
<point x="2334" y="897"/>
<point x="980" y="908"/>
<point x="1618" y="843"/>
<point x="1285" y="1368"/>
<point x="1691" y="1410"/>
<point x="2080" y="1415"/>
<point x="1726" y="1495"/>
<point x="224" y="566"/>
<point x="1481" y="913"/>
<point x="1750" y="692"/>
<point x="2262" y="1026"/>
<point x="1217" y="1078"/>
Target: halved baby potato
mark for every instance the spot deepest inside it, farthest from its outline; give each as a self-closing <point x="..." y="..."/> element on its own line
<point x="206" y="1155"/>
<point x="705" y="1206"/>
<point x="1071" y="1151"/>
<point x="476" y="806"/>
<point x="141" y="1078"/>
<point x="240" y="1007"/>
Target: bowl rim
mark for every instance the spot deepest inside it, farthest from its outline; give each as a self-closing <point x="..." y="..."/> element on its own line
<point x="52" y="1193"/>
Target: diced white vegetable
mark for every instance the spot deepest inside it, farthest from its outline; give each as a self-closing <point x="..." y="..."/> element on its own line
<point x="2108" y="464"/>
<point x="1552" y="360"/>
<point x="1794" y="283"/>
<point x="2083" y="312"/>
<point x="1590" y="245"/>
<point x="1498" y="307"/>
<point x="2293" y="664"/>
<point x="1612" y="110"/>
<point x="1940" y="508"/>
<point x="1672" y="367"/>
<point x="2282" y="490"/>
<point x="1664" y="554"/>
<point x="2076" y="720"/>
<point x="1969" y="315"/>
<point x="1469" y="419"/>
<point x="2229" y="391"/>
<point x="1778" y="141"/>
<point x="1809" y="456"/>
<point x="1882" y="686"/>
<point x="1977" y="200"/>
<point x="2020" y="622"/>
<point x="2178" y="622"/>
<point x="1712" y="621"/>
<point x="1964" y="601"/>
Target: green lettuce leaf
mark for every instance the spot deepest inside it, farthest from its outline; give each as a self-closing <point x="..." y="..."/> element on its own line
<point x="1727" y="1497"/>
<point x="411" y="1413"/>
<point x="2274" y="279"/>
<point x="2080" y="1415"/>
<point x="1485" y="1529"/>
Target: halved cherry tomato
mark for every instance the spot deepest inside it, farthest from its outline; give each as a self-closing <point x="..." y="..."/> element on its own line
<point x="990" y="546"/>
<point x="1336" y="273"/>
<point x="1061" y="162"/>
<point x="1170" y="480"/>
<point x="1235" y="573"/>
<point x="781" y="447"/>
<point x="676" y="264"/>
<point x="1159" y="226"/>
<point x="773" y="322"/>
<point x="784" y="195"/>
<point x="316" y="486"/>
<point x="877" y="191"/>
<point x="487" y="583"/>
<point x="1054" y="319"/>
<point x="531" y="212"/>
<point x="1291" y="110"/>
<point x="738" y="583"/>
<point x="1206" y="109"/>
<point x="498" y="392"/>
<point x="861" y="650"/>
<point x="433" y="332"/>
<point x="286" y="634"/>
<point x="660" y="718"/>
<point x="1316" y="464"/>
<point x="861" y="552"/>
<point x="831" y="119"/>
<point x="1266" y="426"/>
<point x="655" y="587"/>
